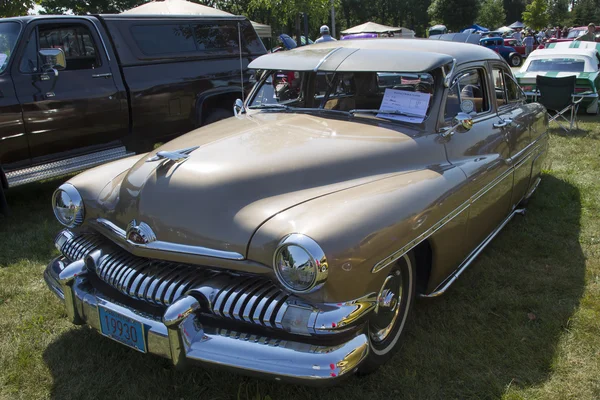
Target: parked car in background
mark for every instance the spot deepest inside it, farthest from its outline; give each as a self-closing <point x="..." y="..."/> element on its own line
<point x="566" y="59"/>
<point x="290" y="241"/>
<point x="437" y="30"/>
<point x="510" y="54"/>
<point x="573" y="34"/>
<point x="78" y="91"/>
<point x="512" y="42"/>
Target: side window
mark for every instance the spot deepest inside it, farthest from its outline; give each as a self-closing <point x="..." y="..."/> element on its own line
<point x="506" y="88"/>
<point x="217" y="38"/>
<point x="164" y="39"/>
<point x="29" y="61"/>
<point x="467" y="94"/>
<point x="75" y="40"/>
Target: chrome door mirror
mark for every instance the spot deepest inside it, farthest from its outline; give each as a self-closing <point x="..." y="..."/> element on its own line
<point x="238" y="107"/>
<point x="463" y="122"/>
<point x="53" y="60"/>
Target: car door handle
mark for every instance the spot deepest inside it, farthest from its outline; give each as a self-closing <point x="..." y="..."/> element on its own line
<point x="502" y="123"/>
<point x="107" y="75"/>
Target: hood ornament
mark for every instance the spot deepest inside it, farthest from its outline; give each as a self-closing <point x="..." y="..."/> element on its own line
<point x="139" y="233"/>
<point x="175" y="156"/>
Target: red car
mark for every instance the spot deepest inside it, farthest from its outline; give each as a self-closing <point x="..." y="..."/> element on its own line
<point x="521" y="49"/>
<point x="574" y="33"/>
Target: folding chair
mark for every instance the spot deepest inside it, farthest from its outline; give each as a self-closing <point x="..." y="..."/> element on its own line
<point x="556" y="94"/>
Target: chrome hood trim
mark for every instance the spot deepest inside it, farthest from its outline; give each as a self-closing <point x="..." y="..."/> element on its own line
<point x="120" y="235"/>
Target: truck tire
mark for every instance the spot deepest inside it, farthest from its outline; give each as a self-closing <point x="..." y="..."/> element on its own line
<point x="216" y="114"/>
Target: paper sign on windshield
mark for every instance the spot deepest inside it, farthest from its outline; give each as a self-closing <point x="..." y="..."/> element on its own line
<point x="415" y="103"/>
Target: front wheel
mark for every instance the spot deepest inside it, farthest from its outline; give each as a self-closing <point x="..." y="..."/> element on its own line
<point x="515" y="60"/>
<point x="394" y="304"/>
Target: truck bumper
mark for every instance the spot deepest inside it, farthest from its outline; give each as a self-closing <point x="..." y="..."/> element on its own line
<point x="180" y="336"/>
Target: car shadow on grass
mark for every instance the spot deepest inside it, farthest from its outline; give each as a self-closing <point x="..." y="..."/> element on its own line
<point x="498" y="327"/>
<point x="28" y="232"/>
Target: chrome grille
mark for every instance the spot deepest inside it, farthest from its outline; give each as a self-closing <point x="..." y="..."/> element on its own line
<point x="80" y="246"/>
<point x="255" y="300"/>
<point x="157" y="282"/>
<point x="250" y="299"/>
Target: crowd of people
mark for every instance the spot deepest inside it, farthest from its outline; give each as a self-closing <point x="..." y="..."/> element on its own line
<point x="529" y="38"/>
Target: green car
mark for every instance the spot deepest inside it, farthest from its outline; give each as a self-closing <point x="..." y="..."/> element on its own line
<point x="565" y="59"/>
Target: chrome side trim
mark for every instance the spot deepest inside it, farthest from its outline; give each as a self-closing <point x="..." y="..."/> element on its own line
<point x="533" y="187"/>
<point x="168" y="247"/>
<point x="491" y="185"/>
<point x="325" y="58"/>
<point x="522" y="151"/>
<point x="412" y="244"/>
<point x="442" y="287"/>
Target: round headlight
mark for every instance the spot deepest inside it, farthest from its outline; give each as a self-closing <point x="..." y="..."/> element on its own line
<point x="68" y="206"/>
<point x="300" y="264"/>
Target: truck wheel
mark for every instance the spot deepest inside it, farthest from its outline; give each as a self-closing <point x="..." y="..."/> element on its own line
<point x="515" y="60"/>
<point x="217" y="114"/>
<point x="394" y="304"/>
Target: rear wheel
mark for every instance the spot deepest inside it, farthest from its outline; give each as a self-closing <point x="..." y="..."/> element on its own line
<point x="217" y="114"/>
<point x="394" y="305"/>
<point x="515" y="60"/>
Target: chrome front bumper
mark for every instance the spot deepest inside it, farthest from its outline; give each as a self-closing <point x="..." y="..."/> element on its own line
<point x="180" y="336"/>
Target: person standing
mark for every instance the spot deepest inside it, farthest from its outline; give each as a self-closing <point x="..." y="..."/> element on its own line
<point x="519" y="36"/>
<point x="589" y="35"/>
<point x="528" y="41"/>
<point x="325" y="36"/>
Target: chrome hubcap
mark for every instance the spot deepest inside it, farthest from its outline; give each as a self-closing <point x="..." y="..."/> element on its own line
<point x="387" y="308"/>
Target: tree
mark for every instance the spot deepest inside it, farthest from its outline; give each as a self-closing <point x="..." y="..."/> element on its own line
<point x="585" y="11"/>
<point x="14" y="8"/>
<point x="536" y="15"/>
<point x="492" y="14"/>
<point x="558" y="12"/>
<point x="514" y="9"/>
<point x="89" y="6"/>
<point x="455" y="14"/>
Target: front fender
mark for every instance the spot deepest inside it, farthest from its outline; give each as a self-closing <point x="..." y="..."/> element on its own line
<point x="361" y="226"/>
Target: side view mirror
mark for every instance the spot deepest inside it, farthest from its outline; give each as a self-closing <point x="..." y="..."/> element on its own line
<point x="463" y="122"/>
<point x="238" y="107"/>
<point x="53" y="60"/>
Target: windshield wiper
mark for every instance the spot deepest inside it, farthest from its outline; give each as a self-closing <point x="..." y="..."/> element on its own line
<point x="394" y="112"/>
<point x="270" y="107"/>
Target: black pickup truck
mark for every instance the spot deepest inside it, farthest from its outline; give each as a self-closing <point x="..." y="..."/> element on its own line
<point x="77" y="91"/>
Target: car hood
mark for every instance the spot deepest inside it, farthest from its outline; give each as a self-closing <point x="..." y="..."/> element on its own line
<point x="246" y="170"/>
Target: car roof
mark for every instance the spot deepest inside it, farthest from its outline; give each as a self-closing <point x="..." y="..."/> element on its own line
<point x="406" y="55"/>
<point x="29" y="18"/>
<point x="563" y="52"/>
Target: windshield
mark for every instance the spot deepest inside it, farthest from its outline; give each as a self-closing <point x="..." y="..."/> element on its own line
<point x="9" y="33"/>
<point x="383" y="94"/>
<point x="575" y="33"/>
<point x="557" y="64"/>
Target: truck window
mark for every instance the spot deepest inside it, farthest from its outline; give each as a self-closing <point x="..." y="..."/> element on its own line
<point x="75" y="40"/>
<point x="217" y="37"/>
<point x="164" y="39"/>
<point x="9" y="33"/>
<point x="29" y="61"/>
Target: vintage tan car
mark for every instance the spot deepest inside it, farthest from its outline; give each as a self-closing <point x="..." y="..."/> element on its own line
<point x="290" y="241"/>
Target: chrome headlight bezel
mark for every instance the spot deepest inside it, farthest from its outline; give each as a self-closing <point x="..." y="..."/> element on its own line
<point x="316" y="257"/>
<point x="75" y="205"/>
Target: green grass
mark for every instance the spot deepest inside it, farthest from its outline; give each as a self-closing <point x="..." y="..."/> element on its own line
<point x="522" y="323"/>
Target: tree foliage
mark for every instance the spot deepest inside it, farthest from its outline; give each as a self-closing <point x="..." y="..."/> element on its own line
<point x="536" y="14"/>
<point x="492" y="14"/>
<point x="585" y="11"/>
<point x="514" y="9"/>
<point x="13" y="8"/>
<point x="558" y="12"/>
<point x="455" y="14"/>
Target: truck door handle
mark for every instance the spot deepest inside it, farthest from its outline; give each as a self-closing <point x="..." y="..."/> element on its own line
<point x="502" y="123"/>
<point x="107" y="75"/>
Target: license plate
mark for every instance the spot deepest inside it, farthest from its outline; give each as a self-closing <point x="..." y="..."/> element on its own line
<point x="122" y="329"/>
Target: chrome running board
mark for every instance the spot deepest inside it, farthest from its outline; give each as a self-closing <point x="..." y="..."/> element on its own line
<point x="64" y="167"/>
<point x="442" y="287"/>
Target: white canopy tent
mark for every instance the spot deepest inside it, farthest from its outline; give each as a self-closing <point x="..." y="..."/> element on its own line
<point x="372" y="27"/>
<point x="182" y="7"/>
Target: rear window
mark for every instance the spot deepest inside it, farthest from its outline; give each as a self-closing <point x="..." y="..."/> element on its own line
<point x="205" y="38"/>
<point x="557" y="64"/>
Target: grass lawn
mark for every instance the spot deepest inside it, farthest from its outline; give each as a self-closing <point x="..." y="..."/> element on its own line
<point x="522" y="322"/>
